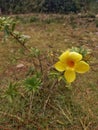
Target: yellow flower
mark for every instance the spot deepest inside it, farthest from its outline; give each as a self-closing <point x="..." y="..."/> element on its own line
<point x="70" y="63"/>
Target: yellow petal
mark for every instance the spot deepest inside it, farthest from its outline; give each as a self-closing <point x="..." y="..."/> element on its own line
<point x="60" y="66"/>
<point x="64" y="56"/>
<point x="82" y="67"/>
<point x="74" y="56"/>
<point x="70" y="75"/>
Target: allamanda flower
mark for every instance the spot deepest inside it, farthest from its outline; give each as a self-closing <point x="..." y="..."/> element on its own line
<point x="70" y="63"/>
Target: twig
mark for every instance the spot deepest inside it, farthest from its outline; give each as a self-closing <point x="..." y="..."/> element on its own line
<point x="66" y="115"/>
<point x="12" y="116"/>
<point x="83" y="124"/>
<point x="21" y="43"/>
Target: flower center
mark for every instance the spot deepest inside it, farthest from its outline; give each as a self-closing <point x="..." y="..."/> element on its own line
<point x="70" y="63"/>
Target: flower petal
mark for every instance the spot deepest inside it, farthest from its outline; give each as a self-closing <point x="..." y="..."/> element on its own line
<point x="64" y="56"/>
<point x="74" y="56"/>
<point x="60" y="66"/>
<point x="82" y="67"/>
<point x="70" y="75"/>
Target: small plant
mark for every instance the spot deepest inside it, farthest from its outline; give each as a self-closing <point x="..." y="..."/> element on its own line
<point x="49" y="20"/>
<point x="96" y="23"/>
<point x="11" y="92"/>
<point x="91" y="15"/>
<point x="73" y="22"/>
<point x="88" y="15"/>
<point x="34" y="19"/>
<point x="35" y="52"/>
<point x="33" y="83"/>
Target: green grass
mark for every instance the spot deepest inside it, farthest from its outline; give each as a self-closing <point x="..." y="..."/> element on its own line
<point x="52" y="106"/>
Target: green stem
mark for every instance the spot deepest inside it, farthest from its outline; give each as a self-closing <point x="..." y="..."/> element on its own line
<point x="31" y="104"/>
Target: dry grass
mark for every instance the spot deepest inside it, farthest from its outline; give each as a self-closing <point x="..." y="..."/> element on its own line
<point x="54" y="106"/>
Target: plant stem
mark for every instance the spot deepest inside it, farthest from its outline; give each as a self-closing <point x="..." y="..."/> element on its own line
<point x="31" y="103"/>
<point x="41" y="68"/>
<point x="21" y="43"/>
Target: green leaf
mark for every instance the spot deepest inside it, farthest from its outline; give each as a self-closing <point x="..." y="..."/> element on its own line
<point x="32" y="83"/>
<point x="13" y="26"/>
<point x="11" y="92"/>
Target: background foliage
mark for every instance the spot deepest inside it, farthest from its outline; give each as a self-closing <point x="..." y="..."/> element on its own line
<point x="54" y="6"/>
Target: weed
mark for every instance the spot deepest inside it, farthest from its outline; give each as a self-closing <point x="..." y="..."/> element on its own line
<point x="96" y="23"/>
<point x="34" y="19"/>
